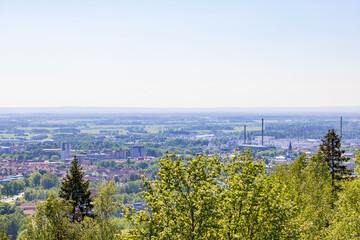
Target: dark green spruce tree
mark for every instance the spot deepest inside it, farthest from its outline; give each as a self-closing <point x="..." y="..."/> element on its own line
<point x="334" y="158"/>
<point x="76" y="190"/>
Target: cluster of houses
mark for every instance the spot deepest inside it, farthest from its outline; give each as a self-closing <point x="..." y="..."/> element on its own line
<point x="10" y="168"/>
<point x="124" y="174"/>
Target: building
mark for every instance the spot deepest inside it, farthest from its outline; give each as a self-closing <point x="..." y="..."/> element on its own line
<point x="28" y="208"/>
<point x="17" y="148"/>
<point x="96" y="157"/>
<point x="120" y="154"/>
<point x="7" y="150"/>
<point x="137" y="151"/>
<point x="65" y="151"/>
<point x="81" y="158"/>
<point x="290" y="151"/>
<point x="267" y="140"/>
<point x="255" y="147"/>
<point x="109" y="153"/>
<point x="8" y="179"/>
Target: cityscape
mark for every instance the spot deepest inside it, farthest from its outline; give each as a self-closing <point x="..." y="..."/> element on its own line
<point x="121" y="147"/>
<point x="168" y="120"/>
<point x="43" y="144"/>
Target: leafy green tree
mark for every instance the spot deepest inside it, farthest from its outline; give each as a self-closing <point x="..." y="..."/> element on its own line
<point x="330" y="147"/>
<point x="35" y="179"/>
<point x="12" y="219"/>
<point x="252" y="205"/>
<point x="5" y="190"/>
<point x="75" y="189"/>
<point x="6" y="208"/>
<point x="49" y="180"/>
<point x="51" y="221"/>
<point x="346" y="220"/>
<point x="27" y="182"/>
<point x="131" y="187"/>
<point x="55" y="157"/>
<point x="105" y="207"/>
<point x="141" y="165"/>
<point x="116" y="178"/>
<point x="13" y="187"/>
<point x="309" y="191"/>
<point x="134" y="177"/>
<point x="184" y="202"/>
<point x="205" y="198"/>
<point x="3" y="234"/>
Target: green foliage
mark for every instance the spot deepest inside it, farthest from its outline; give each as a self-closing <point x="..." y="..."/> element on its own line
<point x="210" y="199"/>
<point x="38" y="194"/>
<point x="131" y="187"/>
<point x="141" y="165"/>
<point x="12" y="219"/>
<point x="346" y="220"/>
<point x="52" y="219"/>
<point x="75" y="189"/>
<point x="309" y="191"/>
<point x="3" y="235"/>
<point x="105" y="208"/>
<point x="108" y="164"/>
<point x="129" y="198"/>
<point x="49" y="180"/>
<point x="182" y="202"/>
<point x="253" y="206"/>
<point x="121" y="223"/>
<point x="6" y="208"/>
<point x="13" y="187"/>
<point x="35" y="179"/>
<point x="116" y="178"/>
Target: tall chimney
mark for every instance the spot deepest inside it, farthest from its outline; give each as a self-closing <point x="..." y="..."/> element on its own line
<point x="244" y="134"/>
<point x="262" y="132"/>
<point x="341" y="127"/>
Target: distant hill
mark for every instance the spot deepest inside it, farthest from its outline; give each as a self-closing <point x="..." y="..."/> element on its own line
<point x="114" y="110"/>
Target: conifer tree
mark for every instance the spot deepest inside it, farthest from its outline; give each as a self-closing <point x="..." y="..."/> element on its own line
<point x="330" y="147"/>
<point x="75" y="189"/>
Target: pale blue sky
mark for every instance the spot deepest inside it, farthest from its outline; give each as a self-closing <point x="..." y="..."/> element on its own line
<point x="180" y="53"/>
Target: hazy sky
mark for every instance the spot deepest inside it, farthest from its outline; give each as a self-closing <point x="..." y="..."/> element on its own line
<point x="187" y="53"/>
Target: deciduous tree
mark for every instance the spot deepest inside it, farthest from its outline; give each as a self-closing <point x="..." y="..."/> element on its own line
<point x="51" y="221"/>
<point x="346" y="220"/>
<point x="35" y="179"/>
<point x="184" y="202"/>
<point x="49" y="180"/>
<point x="206" y="198"/>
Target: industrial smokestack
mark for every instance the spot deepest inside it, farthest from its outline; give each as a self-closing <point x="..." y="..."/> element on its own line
<point x="262" y="132"/>
<point x="341" y="127"/>
<point x="244" y="134"/>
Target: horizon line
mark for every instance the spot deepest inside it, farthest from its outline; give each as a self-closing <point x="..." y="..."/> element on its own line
<point x="109" y="109"/>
